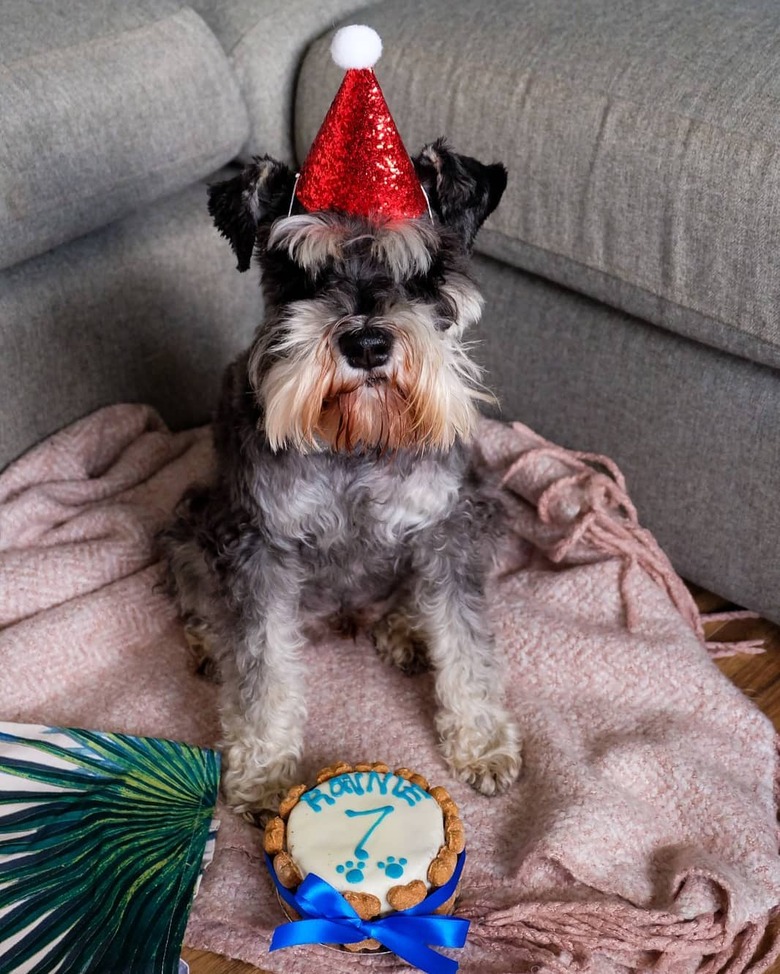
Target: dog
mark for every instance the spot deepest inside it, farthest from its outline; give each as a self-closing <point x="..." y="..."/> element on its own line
<point x="344" y="493"/>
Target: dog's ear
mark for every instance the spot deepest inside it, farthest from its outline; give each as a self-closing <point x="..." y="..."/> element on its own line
<point x="250" y="201"/>
<point x="462" y="191"/>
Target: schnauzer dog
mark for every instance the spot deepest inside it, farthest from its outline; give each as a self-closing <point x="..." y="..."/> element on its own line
<point x="344" y="493"/>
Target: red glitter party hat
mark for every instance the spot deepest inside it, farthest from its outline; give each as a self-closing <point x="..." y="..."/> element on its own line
<point x="357" y="162"/>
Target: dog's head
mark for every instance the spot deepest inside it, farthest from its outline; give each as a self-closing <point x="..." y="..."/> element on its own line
<point x="361" y="347"/>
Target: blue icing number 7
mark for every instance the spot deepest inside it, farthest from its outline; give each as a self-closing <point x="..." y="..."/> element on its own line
<point x="383" y="811"/>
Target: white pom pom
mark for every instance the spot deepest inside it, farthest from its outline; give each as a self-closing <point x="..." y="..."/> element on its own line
<point x="356" y="46"/>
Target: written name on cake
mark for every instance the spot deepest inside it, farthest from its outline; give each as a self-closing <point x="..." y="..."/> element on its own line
<point x="363" y="783"/>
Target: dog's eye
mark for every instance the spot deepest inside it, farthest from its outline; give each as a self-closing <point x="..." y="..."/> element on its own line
<point x="446" y="313"/>
<point x="421" y="287"/>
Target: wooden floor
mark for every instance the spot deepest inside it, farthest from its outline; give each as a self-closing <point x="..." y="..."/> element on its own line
<point x="757" y="676"/>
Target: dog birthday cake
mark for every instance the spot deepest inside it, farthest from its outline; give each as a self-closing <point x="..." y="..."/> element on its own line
<point x="384" y="840"/>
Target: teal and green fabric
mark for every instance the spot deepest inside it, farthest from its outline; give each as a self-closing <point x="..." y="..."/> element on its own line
<point x="103" y="838"/>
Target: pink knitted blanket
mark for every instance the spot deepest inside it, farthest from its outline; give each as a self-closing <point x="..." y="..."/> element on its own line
<point x="642" y="833"/>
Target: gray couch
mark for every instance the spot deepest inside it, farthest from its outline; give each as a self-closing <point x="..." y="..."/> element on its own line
<point x="633" y="306"/>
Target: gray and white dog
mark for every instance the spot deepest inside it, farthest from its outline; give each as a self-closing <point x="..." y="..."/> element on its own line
<point x="344" y="493"/>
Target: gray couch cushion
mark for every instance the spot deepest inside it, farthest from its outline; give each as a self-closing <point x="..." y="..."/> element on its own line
<point x="104" y="107"/>
<point x="695" y="430"/>
<point x="149" y="309"/>
<point x="266" y="41"/>
<point x="642" y="139"/>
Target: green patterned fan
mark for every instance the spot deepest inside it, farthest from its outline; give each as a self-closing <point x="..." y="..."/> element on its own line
<point x="102" y="841"/>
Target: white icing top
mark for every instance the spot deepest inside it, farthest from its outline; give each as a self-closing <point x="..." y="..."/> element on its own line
<point x="366" y="831"/>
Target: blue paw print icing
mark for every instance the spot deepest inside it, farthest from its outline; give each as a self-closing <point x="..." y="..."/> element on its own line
<point x="353" y="870"/>
<point x="394" y="868"/>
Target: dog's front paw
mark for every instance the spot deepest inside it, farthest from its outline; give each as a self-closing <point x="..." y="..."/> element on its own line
<point x="251" y="783"/>
<point x="489" y="762"/>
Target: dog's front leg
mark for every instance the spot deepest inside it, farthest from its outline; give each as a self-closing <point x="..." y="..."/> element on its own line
<point x="263" y="708"/>
<point x="478" y="738"/>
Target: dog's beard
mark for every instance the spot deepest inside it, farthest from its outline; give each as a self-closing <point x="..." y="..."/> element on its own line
<point x="424" y="398"/>
<point x="368" y="416"/>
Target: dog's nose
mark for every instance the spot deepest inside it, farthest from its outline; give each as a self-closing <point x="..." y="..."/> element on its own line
<point x="366" y="349"/>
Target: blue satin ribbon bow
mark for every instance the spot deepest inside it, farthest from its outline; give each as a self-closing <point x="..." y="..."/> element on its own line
<point x="327" y="918"/>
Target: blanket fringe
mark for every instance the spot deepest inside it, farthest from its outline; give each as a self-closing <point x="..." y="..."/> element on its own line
<point x="719" y="649"/>
<point x="607" y="520"/>
<point x="748" y="647"/>
<point x="563" y="937"/>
